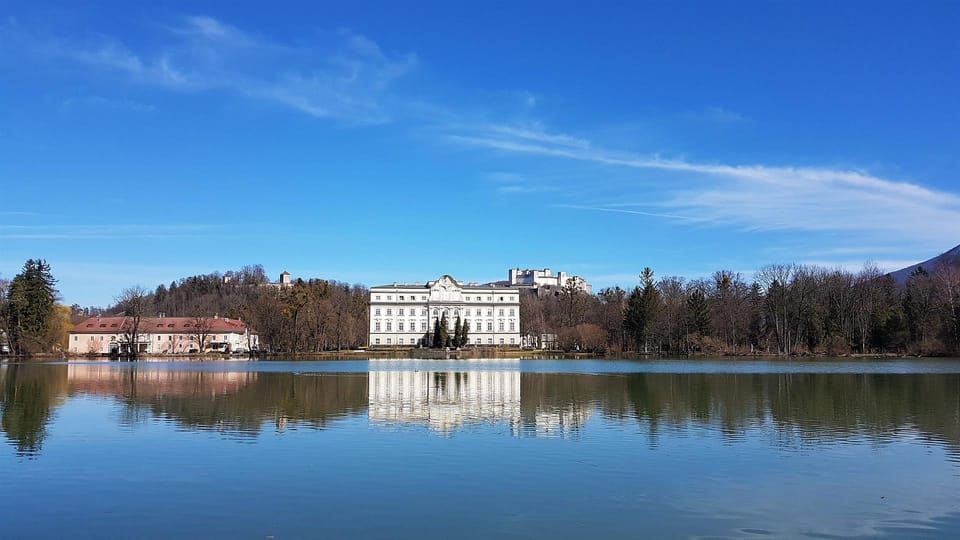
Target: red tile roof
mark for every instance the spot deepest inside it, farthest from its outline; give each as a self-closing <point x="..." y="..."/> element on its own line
<point x="158" y="325"/>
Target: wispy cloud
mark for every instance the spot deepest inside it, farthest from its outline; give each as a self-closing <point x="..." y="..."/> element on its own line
<point x="339" y="75"/>
<point x="715" y="115"/>
<point x="754" y="197"/>
<point x="101" y="102"/>
<point x="102" y="232"/>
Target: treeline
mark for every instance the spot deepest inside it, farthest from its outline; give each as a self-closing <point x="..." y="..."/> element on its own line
<point x="303" y="316"/>
<point x="785" y="309"/>
<point x="31" y="321"/>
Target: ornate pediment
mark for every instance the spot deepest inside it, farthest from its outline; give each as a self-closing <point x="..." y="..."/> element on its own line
<point x="445" y="288"/>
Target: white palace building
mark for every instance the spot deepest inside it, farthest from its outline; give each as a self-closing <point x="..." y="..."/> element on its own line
<point x="404" y="315"/>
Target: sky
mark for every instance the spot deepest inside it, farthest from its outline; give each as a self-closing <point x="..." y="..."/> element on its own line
<point x="374" y="142"/>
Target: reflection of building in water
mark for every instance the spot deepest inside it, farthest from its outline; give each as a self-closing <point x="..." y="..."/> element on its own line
<point x="109" y="379"/>
<point x="443" y="401"/>
<point x="563" y="422"/>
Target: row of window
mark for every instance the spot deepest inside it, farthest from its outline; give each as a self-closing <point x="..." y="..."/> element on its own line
<point x="436" y="312"/>
<point x="413" y="298"/>
<point x="475" y="341"/>
<point x="159" y="338"/>
<point x="412" y="326"/>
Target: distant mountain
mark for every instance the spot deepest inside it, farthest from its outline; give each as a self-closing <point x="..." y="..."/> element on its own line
<point x="950" y="258"/>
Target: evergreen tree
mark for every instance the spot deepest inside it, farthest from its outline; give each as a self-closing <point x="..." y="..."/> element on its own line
<point x="642" y="309"/>
<point x="437" y="339"/>
<point x="30" y="307"/>
<point x="698" y="316"/>
<point x="444" y="331"/>
<point x="465" y="333"/>
<point x="457" y="333"/>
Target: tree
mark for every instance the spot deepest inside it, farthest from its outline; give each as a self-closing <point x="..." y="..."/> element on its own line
<point x="30" y="307"/>
<point x="133" y="301"/>
<point x="918" y="305"/>
<point x="5" y="331"/>
<point x="457" y="332"/>
<point x="465" y="333"/>
<point x="437" y="341"/>
<point x="643" y="306"/>
<point x="444" y="331"/>
<point x="200" y="330"/>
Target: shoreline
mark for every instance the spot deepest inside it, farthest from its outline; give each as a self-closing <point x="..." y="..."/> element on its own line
<point x="463" y="354"/>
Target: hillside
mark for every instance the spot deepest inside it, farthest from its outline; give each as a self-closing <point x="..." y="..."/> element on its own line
<point x="949" y="258"/>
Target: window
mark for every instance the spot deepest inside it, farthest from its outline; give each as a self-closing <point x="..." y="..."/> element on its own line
<point x="400" y="312"/>
<point x="377" y="297"/>
<point x="478" y="299"/>
<point x="413" y="341"/>
<point x="376" y="312"/>
<point x="424" y="298"/>
<point x="389" y="326"/>
<point x="489" y="299"/>
<point x="501" y="341"/>
<point x="389" y="312"/>
<point x="423" y="312"/>
<point x="423" y="326"/>
<point x="402" y="298"/>
<point x="500" y="325"/>
<point x="512" y="312"/>
<point x="101" y="338"/>
<point x="511" y="341"/>
<point x="399" y="326"/>
<point x="75" y="337"/>
<point x="513" y="325"/>
<point x="490" y="341"/>
<point x="501" y="299"/>
<point x="377" y="341"/>
<point x="389" y="341"/>
<point x="376" y="326"/>
<point x="501" y="312"/>
<point x="413" y="325"/>
<point x="489" y="326"/>
<point x="389" y="297"/>
<point x="489" y="313"/>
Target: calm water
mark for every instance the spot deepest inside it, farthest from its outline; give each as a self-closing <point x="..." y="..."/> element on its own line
<point x="479" y="449"/>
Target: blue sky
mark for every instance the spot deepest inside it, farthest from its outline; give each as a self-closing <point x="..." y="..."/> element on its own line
<point x="379" y="142"/>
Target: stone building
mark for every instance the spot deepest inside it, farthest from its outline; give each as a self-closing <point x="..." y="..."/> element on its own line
<point x="405" y="314"/>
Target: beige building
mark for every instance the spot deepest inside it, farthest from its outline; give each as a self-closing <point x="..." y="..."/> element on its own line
<point x="404" y="315"/>
<point x="162" y="335"/>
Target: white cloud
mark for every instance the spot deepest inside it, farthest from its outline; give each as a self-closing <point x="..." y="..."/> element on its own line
<point x="857" y="204"/>
<point x="102" y="232"/>
<point x="345" y="76"/>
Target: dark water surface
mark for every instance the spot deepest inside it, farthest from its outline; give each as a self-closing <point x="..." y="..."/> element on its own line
<point x="479" y="449"/>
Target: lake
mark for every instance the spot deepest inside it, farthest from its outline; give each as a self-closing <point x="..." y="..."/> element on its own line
<point x="480" y="449"/>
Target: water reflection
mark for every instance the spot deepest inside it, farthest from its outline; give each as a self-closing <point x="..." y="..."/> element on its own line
<point x="787" y="410"/>
<point x="28" y="396"/>
<point x="444" y="400"/>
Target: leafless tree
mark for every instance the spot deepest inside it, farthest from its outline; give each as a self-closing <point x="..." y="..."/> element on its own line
<point x="200" y="329"/>
<point x="134" y="302"/>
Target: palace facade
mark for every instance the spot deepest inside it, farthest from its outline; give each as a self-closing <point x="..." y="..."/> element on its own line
<point x="404" y="315"/>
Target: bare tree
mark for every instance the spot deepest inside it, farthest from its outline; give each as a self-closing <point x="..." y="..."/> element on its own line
<point x="134" y="302"/>
<point x="200" y="330"/>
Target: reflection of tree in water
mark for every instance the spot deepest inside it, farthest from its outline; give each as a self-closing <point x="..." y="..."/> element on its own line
<point x="803" y="408"/>
<point x="283" y="399"/>
<point x="28" y="395"/>
<point x="797" y="409"/>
